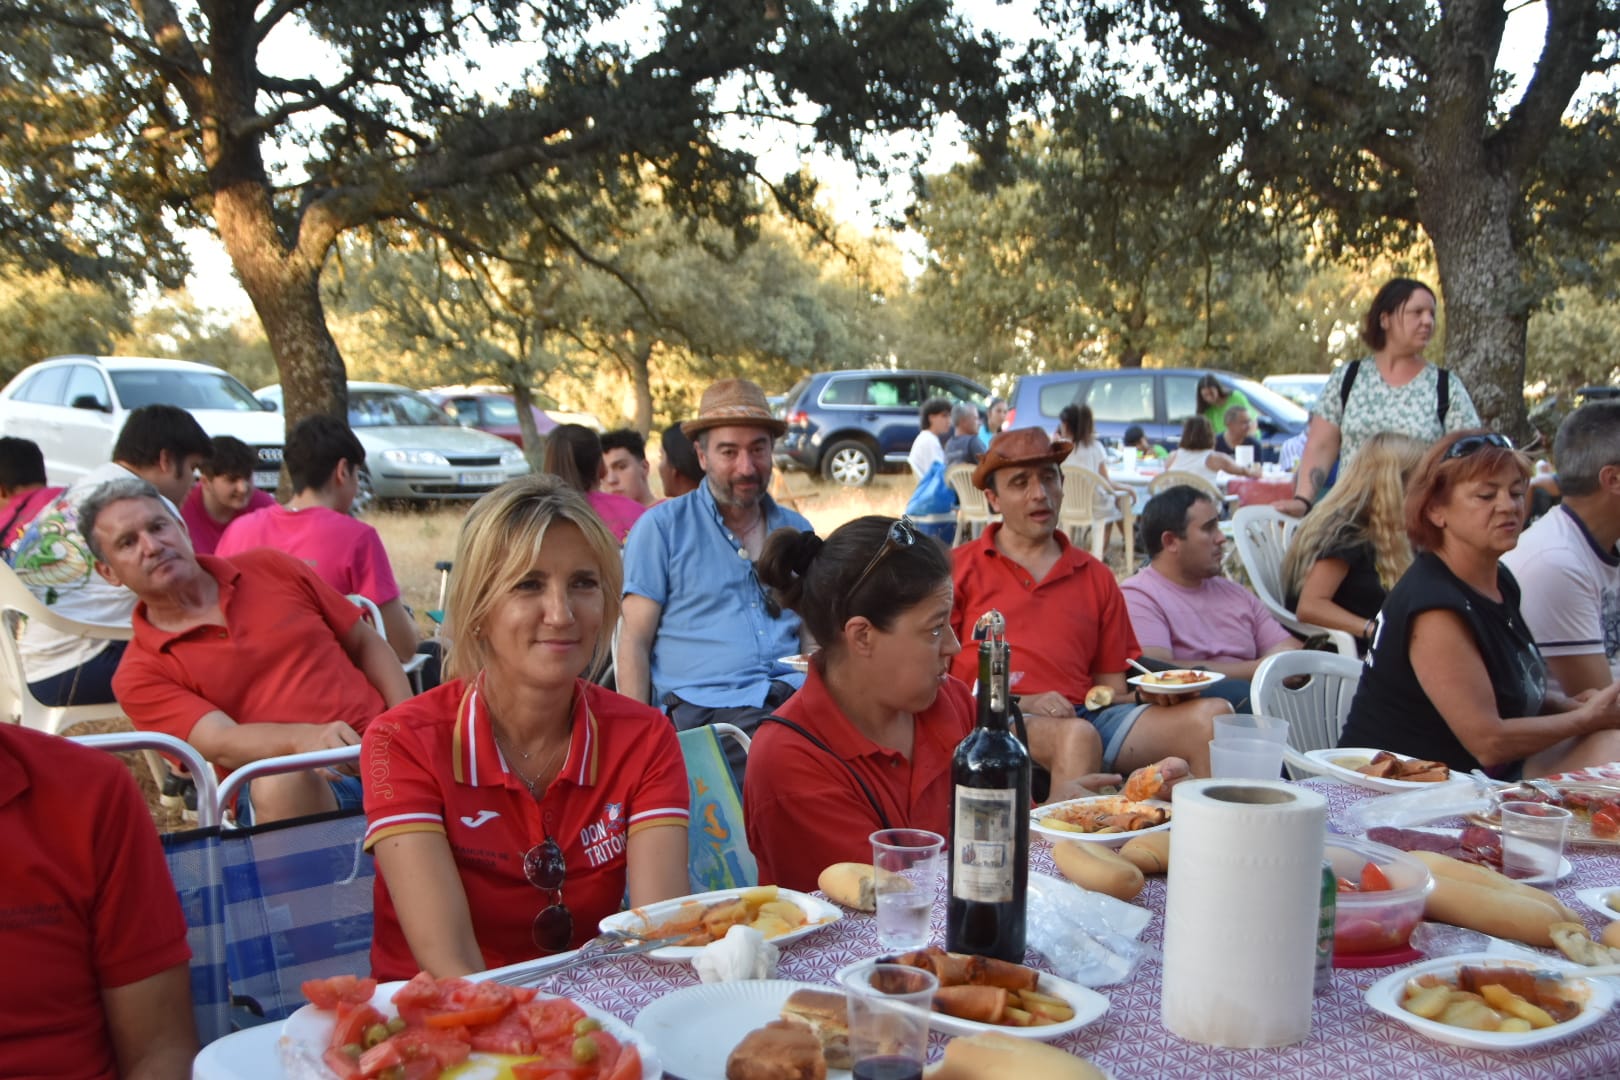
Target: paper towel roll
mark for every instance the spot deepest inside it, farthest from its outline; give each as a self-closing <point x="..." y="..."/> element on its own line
<point x="1241" y="917"/>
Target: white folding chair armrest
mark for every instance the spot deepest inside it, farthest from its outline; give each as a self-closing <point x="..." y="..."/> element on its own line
<point x="734" y="732"/>
<point x="201" y="772"/>
<point x="286" y="763"/>
<point x="73" y="627"/>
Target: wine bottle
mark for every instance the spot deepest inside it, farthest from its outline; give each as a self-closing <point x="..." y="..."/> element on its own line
<point x="990" y="777"/>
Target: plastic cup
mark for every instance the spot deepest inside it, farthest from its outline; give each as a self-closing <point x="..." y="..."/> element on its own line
<point x="1533" y="836"/>
<point x="1248" y="726"/>
<point x="1244" y="455"/>
<point x="910" y="863"/>
<point x="1245" y="759"/>
<point x="888" y="1020"/>
<point x="1127" y="459"/>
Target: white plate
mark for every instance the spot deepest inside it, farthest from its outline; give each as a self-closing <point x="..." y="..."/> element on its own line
<point x="1565" y="867"/>
<point x="798" y="661"/>
<point x="305" y="1033"/>
<point x="1088" y="1006"/>
<point x="1593" y="898"/>
<point x="696" y="1028"/>
<point x="1207" y="679"/>
<point x="817" y="914"/>
<point x="1385" y="996"/>
<point x="1329" y="761"/>
<point x="1036" y="824"/>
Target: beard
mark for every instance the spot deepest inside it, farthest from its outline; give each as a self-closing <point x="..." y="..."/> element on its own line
<point x="728" y="496"/>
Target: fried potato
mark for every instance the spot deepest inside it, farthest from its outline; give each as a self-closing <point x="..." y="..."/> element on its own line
<point x="1500" y="997"/>
<point x="1428" y="1001"/>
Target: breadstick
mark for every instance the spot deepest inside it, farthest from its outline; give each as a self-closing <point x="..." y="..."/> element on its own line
<point x="1498" y="912"/>
<point x="1444" y="866"/>
<point x="1094" y="867"/>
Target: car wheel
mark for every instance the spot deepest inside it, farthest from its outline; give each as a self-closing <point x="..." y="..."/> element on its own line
<point x="849" y="463"/>
<point x="365" y="498"/>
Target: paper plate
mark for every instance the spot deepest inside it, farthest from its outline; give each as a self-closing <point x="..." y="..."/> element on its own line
<point x="1341" y="762"/>
<point x="818" y="914"/>
<point x="1088" y="1006"/>
<point x="1205" y="680"/>
<point x="305" y="1034"/>
<point x="1597" y="899"/>
<point x="1386" y="994"/>
<point x="696" y="1028"/>
<point x="1037" y="823"/>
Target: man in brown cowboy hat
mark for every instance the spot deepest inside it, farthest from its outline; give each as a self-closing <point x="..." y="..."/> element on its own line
<point x="1066" y="617"/>
<point x="701" y="637"/>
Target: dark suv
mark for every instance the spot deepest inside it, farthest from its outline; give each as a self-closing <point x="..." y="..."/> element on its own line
<point x="1159" y="399"/>
<point x="849" y="424"/>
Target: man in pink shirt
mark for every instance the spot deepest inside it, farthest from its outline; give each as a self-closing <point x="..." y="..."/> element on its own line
<point x="1184" y="611"/>
<point x="224" y="493"/>
<point x="323" y="459"/>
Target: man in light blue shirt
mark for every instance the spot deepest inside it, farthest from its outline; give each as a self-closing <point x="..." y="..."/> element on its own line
<point x="701" y="637"/>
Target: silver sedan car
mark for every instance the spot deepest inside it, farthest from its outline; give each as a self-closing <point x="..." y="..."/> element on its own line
<point x="415" y="451"/>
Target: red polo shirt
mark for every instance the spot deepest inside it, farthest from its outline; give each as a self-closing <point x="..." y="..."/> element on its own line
<point x="432" y="765"/>
<point x="279" y="658"/>
<point x="1066" y="626"/>
<point x="86" y="903"/>
<point x="804" y="809"/>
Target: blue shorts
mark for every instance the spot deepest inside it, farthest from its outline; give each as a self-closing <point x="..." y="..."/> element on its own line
<point x="350" y="796"/>
<point x="1113" y="723"/>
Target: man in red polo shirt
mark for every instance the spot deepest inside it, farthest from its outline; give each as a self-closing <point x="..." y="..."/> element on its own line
<point x="91" y="930"/>
<point x="1066" y="617"/>
<point x="246" y="658"/>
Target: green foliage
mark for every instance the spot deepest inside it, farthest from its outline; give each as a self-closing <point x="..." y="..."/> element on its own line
<point x="41" y="315"/>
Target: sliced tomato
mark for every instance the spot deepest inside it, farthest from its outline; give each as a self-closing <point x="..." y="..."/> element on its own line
<point x="474" y="1017"/>
<point x="417" y="998"/>
<point x="352" y="1021"/>
<point x="1373" y="879"/>
<point x="509" y="1035"/>
<point x="339" y="989"/>
<point x="447" y="1047"/>
<point x="552" y="1019"/>
<point x="342" y="1065"/>
<point x="385" y="1055"/>
<point x="553" y="1068"/>
<point x="421" y="1069"/>
<point x="628" y="1067"/>
<point x="607" y="1051"/>
<point x="1606" y="822"/>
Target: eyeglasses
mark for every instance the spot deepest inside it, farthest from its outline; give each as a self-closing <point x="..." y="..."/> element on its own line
<point x="543" y="865"/>
<point x="1474" y="443"/>
<point x="902" y="534"/>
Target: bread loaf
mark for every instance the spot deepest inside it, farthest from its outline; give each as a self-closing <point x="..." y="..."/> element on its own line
<point x="1499" y="912"/>
<point x="994" y="1056"/>
<point x="826" y="1014"/>
<point x="1150" y="853"/>
<point x="1444" y="866"/>
<point x="1094" y="867"/>
<point x="778" y="1051"/>
<point x="849" y="884"/>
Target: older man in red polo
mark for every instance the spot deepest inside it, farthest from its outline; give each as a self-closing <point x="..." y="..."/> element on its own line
<point x="244" y="658"/>
<point x="1066" y="618"/>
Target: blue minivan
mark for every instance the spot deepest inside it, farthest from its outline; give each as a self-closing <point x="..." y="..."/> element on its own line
<point x="1158" y="399"/>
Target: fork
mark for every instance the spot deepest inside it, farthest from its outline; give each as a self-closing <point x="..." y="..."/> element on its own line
<point x="607" y="945"/>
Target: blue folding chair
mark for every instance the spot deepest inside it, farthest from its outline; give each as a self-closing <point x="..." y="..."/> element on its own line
<point x="194" y="863"/>
<point x="717" y="845"/>
<point x="297" y="896"/>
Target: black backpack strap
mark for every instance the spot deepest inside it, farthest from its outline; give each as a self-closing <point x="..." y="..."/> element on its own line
<point x="1443" y="396"/>
<point x="1350" y="370"/>
<point x="883" y="818"/>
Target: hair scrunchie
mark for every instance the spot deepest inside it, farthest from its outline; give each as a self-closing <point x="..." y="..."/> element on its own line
<point x="805" y="552"/>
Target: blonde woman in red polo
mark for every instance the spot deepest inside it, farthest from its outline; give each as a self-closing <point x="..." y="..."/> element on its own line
<point x="510" y="808"/>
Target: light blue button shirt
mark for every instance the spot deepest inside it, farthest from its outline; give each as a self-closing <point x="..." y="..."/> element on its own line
<point x="716" y="644"/>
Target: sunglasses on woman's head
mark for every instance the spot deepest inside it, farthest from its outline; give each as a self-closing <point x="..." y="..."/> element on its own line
<point x="1474" y="443"/>
<point x="543" y="865"/>
<point x="902" y="534"/>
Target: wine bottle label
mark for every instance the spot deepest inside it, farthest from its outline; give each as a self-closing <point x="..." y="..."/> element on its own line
<point x="984" y="844"/>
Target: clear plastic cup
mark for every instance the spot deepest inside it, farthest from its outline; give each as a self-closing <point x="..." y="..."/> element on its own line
<point x="1245" y="759"/>
<point x="1533" y="836"/>
<point x="1249" y="726"/>
<point x="888" y="1020"/>
<point x="1244" y="455"/>
<point x="910" y="864"/>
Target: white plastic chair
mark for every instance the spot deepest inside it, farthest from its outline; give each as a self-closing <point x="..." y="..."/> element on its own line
<point x="1262" y="536"/>
<point x="1091" y="502"/>
<point x="17" y="602"/>
<point x="413" y="666"/>
<point x="1317" y="709"/>
<point x="973" y="511"/>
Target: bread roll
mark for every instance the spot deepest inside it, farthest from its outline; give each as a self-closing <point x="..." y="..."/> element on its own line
<point x="1611" y="935"/>
<point x="778" y="1051"/>
<point x="1500" y="912"/>
<point x="994" y="1056"/>
<point x="1149" y="854"/>
<point x="1099" y="697"/>
<point x="1444" y="866"/>
<point x="849" y="884"/>
<point x="1097" y="868"/>
<point x="826" y="1014"/>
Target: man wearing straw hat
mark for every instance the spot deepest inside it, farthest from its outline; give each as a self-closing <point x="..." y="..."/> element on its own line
<point x="701" y="637"/>
<point x="1066" y="618"/>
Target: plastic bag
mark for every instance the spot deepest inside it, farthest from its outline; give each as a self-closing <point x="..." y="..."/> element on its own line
<point x="933" y="495"/>
<point x="1435" y="803"/>
<point x="1087" y="937"/>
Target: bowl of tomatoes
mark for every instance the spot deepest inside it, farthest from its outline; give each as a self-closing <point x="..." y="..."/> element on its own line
<point x="1380" y="898"/>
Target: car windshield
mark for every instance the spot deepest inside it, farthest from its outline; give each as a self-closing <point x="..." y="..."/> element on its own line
<point x="1272" y="402"/>
<point x="394" y="408"/>
<point x="188" y="389"/>
<point x="498" y="410"/>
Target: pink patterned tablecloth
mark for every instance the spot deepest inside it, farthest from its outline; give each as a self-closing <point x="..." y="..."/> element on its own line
<point x="1348" y="1039"/>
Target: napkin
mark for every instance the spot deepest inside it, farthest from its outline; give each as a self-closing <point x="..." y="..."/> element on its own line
<point x="742" y="954"/>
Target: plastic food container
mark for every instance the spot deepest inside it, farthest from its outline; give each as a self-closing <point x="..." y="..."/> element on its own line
<point x="1376" y="922"/>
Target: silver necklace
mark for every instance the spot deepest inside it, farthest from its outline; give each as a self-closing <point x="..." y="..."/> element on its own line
<point x="531" y="784"/>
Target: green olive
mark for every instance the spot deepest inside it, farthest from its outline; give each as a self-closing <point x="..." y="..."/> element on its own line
<point x="585" y="1025"/>
<point x="585" y="1050"/>
<point x="375" y="1034"/>
<point x="396" y="1025"/>
<point x="396" y="1072"/>
<point x="354" y="1050"/>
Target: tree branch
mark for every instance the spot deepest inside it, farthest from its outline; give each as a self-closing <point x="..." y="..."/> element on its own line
<point x="1566" y="56"/>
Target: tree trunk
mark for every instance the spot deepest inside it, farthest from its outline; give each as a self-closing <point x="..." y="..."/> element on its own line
<point x="523" y="398"/>
<point x="641" y="377"/>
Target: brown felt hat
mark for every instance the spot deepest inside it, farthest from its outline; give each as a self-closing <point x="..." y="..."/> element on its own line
<point x="1026" y="446"/>
<point x="733" y="402"/>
